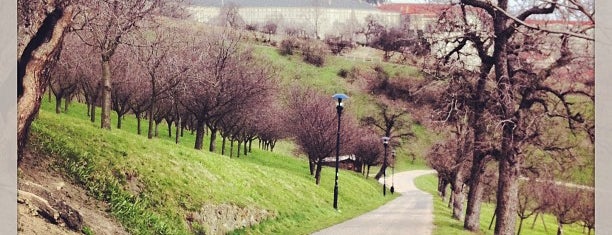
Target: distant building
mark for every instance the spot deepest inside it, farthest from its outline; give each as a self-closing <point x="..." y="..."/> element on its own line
<point x="323" y="17"/>
<point x="418" y="16"/>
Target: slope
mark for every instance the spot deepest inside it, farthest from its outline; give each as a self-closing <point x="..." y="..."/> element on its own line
<point x="156" y="186"/>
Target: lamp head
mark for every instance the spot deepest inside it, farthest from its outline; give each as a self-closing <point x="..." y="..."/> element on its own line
<point x="340" y="97"/>
<point x="385" y="140"/>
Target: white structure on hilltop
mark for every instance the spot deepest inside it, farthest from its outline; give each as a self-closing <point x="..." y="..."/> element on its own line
<point x="320" y="17"/>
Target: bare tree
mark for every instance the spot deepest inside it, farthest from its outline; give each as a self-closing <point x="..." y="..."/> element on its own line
<point x="312" y="123"/>
<point x="440" y="159"/>
<point x="518" y="88"/>
<point x="372" y="29"/>
<point x="369" y="150"/>
<point x="104" y="25"/>
<point x="229" y="16"/>
<point x="229" y="78"/>
<point x="270" y="28"/>
<point x="124" y="83"/>
<point x="139" y="101"/>
<point x="392" y="121"/>
<point x="565" y="206"/>
<point x="64" y="81"/>
<point x="162" y="65"/>
<point x="41" y="27"/>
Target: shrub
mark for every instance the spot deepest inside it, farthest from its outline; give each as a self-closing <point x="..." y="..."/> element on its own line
<point x="343" y="73"/>
<point x="337" y="45"/>
<point x="313" y="53"/>
<point x="288" y="46"/>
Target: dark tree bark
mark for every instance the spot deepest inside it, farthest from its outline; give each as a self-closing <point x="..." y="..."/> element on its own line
<point x="318" y="172"/>
<point x="36" y="53"/>
<point x="179" y="128"/>
<point x="138" y="121"/>
<point x="199" y="142"/>
<point x="458" y="196"/>
<point x="92" y="113"/>
<point x="474" y="197"/>
<point x="213" y="139"/>
<point x="58" y="103"/>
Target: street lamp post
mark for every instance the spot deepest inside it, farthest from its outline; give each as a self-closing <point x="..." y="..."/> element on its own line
<point x="385" y="140"/>
<point x="339" y="106"/>
<point x="392" y="172"/>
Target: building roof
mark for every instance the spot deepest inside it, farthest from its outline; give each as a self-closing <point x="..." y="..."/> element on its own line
<point x="414" y="8"/>
<point x="336" y="4"/>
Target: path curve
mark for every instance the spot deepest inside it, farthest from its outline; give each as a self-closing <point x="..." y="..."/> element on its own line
<point x="410" y="213"/>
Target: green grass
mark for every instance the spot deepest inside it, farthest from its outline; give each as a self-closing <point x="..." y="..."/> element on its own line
<point x="444" y="224"/>
<point x="293" y="70"/>
<point x="176" y="180"/>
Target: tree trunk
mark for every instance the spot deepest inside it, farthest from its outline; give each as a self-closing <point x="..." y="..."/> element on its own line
<point x="213" y="139"/>
<point x="139" y="125"/>
<point x="509" y="161"/>
<point x="182" y="129"/>
<point x="200" y="126"/>
<point x="156" y="128"/>
<point x="381" y="171"/>
<point x="119" y="117"/>
<point x="472" y="212"/>
<point x="450" y="200"/>
<point x="245" y="148"/>
<point x="34" y="59"/>
<point x="231" y="147"/>
<point x="151" y="127"/>
<point x="311" y="165"/>
<point x="66" y="103"/>
<point x="458" y="199"/>
<point x="250" y="145"/>
<point x="507" y="190"/>
<point x="521" y="219"/>
<point x="106" y="93"/>
<point x="88" y="108"/>
<point x="560" y="229"/>
<point x="92" y="115"/>
<point x="318" y="171"/>
<point x="178" y="129"/>
<point x="492" y="219"/>
<point x="238" y="147"/>
<point x="535" y="219"/>
<point x="169" y="128"/>
<point x="58" y="103"/>
<point x="368" y="174"/>
<point x="223" y="145"/>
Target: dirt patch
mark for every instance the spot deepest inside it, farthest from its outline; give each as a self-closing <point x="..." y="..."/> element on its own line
<point x="35" y="174"/>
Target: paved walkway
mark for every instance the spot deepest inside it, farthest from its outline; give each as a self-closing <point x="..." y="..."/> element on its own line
<point x="409" y="214"/>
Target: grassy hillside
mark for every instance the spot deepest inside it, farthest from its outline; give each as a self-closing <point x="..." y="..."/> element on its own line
<point x="295" y="71"/>
<point x="445" y="224"/>
<point x="156" y="186"/>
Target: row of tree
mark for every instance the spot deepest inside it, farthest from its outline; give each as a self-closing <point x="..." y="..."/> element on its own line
<point x="516" y="95"/>
<point x="162" y="70"/>
<point x="198" y="81"/>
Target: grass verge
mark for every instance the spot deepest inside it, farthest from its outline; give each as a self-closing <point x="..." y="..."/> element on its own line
<point x="444" y="224"/>
<point x="155" y="186"/>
